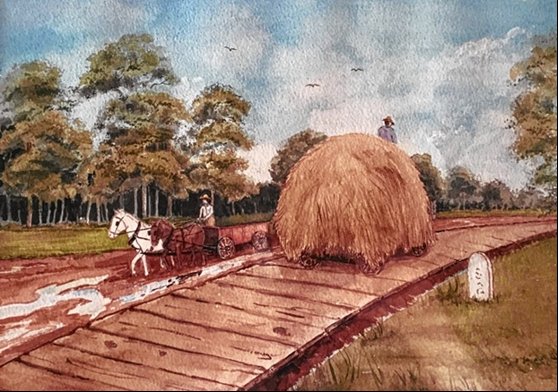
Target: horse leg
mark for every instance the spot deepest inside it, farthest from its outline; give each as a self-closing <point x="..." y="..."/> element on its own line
<point x="200" y="249"/>
<point x="172" y="261"/>
<point x="133" y="263"/>
<point x="144" y="261"/>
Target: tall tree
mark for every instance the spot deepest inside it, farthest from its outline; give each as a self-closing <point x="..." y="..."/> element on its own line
<point x="462" y="185"/>
<point x="290" y="153"/>
<point x="534" y="110"/>
<point x="430" y="176"/>
<point x="140" y="148"/>
<point x="133" y="62"/>
<point x="496" y="194"/>
<point x="216" y="137"/>
<point x="51" y="150"/>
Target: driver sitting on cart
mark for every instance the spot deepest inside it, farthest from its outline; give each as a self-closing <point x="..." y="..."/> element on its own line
<point x="206" y="212"/>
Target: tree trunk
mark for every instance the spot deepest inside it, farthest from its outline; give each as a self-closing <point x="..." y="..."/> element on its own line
<point x="62" y="211"/>
<point x="121" y="201"/>
<point x="136" y="201"/>
<point x="255" y="207"/>
<point x="54" y="212"/>
<point x="232" y="207"/>
<point x="47" y="221"/>
<point x="156" y="201"/>
<point x="169" y="206"/>
<point x="88" y="213"/>
<point x="29" y="211"/>
<point x="143" y="201"/>
<point x="9" y="207"/>
<point x="213" y="198"/>
<point x="40" y="208"/>
<point x="98" y="205"/>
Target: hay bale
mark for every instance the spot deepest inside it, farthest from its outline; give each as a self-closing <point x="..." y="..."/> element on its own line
<point x="354" y="197"/>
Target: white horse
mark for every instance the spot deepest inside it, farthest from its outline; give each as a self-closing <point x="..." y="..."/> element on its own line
<point x="139" y="238"/>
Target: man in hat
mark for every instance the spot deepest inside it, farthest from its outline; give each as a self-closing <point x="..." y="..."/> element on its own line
<point x="387" y="132"/>
<point x="206" y="212"/>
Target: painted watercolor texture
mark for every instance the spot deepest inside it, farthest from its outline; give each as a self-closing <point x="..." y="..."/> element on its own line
<point x="278" y="195"/>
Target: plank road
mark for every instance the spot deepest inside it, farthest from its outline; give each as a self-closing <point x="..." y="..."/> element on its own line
<point x="241" y="330"/>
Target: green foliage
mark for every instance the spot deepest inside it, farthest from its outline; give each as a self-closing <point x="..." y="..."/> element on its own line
<point x="291" y="152"/>
<point x="534" y="111"/>
<point x="430" y="176"/>
<point x="133" y="61"/>
<point x="462" y="185"/>
<point x="31" y="88"/>
<point x="496" y="194"/>
<point x="140" y="148"/>
<point x="218" y="133"/>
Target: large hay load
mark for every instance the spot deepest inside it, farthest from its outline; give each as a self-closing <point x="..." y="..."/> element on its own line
<point x="353" y="197"/>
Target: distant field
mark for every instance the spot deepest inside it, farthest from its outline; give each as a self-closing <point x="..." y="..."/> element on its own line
<point x="56" y="241"/>
<point x="448" y="342"/>
<point x="20" y="242"/>
<point x="494" y="213"/>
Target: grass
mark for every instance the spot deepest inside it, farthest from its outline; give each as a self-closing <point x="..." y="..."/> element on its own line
<point x="57" y="241"/>
<point x="492" y="213"/>
<point x="446" y="341"/>
<point x="20" y="242"/>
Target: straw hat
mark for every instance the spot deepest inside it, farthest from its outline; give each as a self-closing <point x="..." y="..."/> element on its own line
<point x="389" y="119"/>
<point x="205" y="197"/>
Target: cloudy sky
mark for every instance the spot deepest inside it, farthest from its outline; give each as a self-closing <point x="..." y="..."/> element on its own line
<point x="438" y="67"/>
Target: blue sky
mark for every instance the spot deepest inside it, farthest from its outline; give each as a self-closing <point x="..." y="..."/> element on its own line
<point x="439" y="67"/>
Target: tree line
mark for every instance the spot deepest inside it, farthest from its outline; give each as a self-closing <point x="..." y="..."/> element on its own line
<point x="152" y="154"/>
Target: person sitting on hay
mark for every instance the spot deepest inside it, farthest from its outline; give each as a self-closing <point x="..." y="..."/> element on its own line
<point x="206" y="212"/>
<point x="386" y="131"/>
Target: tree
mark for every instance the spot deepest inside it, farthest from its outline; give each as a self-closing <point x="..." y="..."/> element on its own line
<point x="290" y="153"/>
<point x="430" y="176"/>
<point x="534" y="111"/>
<point x="51" y="150"/>
<point x="139" y="149"/>
<point x="496" y="194"/>
<point x="215" y="139"/>
<point x="462" y="185"/>
<point x="30" y="89"/>
<point x="132" y="62"/>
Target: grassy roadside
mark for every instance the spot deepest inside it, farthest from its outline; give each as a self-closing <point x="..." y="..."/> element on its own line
<point x="56" y="241"/>
<point x="492" y="213"/>
<point x="448" y="342"/>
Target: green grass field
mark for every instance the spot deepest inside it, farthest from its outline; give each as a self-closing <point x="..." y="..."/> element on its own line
<point x="20" y="242"/>
<point x="448" y="342"/>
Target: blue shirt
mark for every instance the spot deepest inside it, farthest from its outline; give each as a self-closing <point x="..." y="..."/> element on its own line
<point x="387" y="133"/>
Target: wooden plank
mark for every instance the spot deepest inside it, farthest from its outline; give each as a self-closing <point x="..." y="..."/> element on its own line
<point x="118" y="373"/>
<point x="193" y="365"/>
<point x="313" y="314"/>
<point x="346" y="279"/>
<point x="164" y="331"/>
<point x="18" y="376"/>
<point x="300" y="290"/>
<point x="232" y="319"/>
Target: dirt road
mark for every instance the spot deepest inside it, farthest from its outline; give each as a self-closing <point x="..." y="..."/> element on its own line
<point x="43" y="299"/>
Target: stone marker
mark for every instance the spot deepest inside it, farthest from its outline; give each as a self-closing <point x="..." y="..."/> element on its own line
<point x="481" y="280"/>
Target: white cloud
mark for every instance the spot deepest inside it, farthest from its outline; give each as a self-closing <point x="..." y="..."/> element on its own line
<point x="259" y="160"/>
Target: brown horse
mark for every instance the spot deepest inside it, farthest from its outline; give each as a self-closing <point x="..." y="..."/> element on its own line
<point x="177" y="241"/>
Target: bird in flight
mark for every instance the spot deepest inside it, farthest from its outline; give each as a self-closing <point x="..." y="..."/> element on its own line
<point x="312" y="85"/>
<point x="357" y="69"/>
<point x="230" y="48"/>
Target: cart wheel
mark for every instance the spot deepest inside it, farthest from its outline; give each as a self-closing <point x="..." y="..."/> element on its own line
<point x="260" y="241"/>
<point x="418" y="251"/>
<point x="308" y="261"/>
<point x="225" y="248"/>
<point x="366" y="268"/>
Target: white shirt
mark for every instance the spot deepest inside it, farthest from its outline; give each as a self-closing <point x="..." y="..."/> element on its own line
<point x="206" y="211"/>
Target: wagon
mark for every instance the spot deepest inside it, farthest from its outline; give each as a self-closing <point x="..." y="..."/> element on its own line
<point x="224" y="240"/>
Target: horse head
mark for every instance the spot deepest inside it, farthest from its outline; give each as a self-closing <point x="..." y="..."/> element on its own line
<point x="160" y="230"/>
<point x="118" y="224"/>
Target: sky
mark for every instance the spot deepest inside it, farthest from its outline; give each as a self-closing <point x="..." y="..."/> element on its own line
<point x="440" y="68"/>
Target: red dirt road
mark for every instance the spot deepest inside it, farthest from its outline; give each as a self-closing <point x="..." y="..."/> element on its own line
<point x="43" y="299"/>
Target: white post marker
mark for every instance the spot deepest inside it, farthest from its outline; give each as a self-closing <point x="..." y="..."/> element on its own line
<point x="481" y="279"/>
